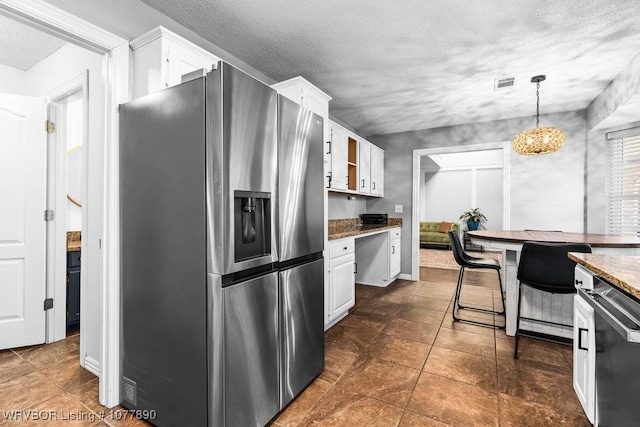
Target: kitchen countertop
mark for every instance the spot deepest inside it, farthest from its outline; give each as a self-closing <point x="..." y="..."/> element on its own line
<point x="349" y="227"/>
<point x="74" y="241"/>
<point x="622" y="271"/>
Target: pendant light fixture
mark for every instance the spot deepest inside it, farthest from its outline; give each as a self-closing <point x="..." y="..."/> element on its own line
<point x="538" y="140"/>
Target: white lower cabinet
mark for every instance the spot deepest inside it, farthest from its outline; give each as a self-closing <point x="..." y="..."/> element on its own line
<point x="341" y="288"/>
<point x="378" y="258"/>
<point x="395" y="239"/>
<point x="584" y="356"/>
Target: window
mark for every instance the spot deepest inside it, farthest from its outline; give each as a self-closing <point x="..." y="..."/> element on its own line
<point x="623" y="182"/>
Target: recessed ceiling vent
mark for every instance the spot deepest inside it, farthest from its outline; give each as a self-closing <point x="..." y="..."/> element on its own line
<point x="504" y="83"/>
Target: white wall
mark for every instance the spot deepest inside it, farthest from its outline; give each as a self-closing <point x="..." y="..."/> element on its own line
<point x="74" y="134"/>
<point x="449" y="192"/>
<point x="62" y="66"/>
<point x="445" y="195"/>
<point x="11" y="80"/>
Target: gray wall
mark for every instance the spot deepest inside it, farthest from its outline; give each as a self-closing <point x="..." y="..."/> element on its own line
<point x="341" y="207"/>
<point x="547" y="192"/>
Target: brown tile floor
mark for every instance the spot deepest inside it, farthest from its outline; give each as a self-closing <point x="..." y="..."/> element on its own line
<point x="47" y="382"/>
<point x="396" y="360"/>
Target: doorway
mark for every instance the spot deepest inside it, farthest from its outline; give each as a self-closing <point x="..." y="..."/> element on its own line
<point x="465" y="180"/>
<point x="68" y="130"/>
<point x="101" y="218"/>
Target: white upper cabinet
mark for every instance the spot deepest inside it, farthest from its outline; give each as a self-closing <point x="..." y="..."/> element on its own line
<point x="377" y="171"/>
<point x="364" y="167"/>
<point x="338" y="149"/>
<point x="299" y="90"/>
<point x="161" y="58"/>
<point x="356" y="166"/>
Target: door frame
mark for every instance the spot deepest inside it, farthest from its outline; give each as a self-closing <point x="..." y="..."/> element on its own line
<point x="57" y="201"/>
<point x="116" y="58"/>
<point x="417" y="200"/>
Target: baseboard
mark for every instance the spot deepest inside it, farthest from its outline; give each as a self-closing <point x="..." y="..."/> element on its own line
<point x="334" y="321"/>
<point x="378" y="285"/>
<point x="92" y="366"/>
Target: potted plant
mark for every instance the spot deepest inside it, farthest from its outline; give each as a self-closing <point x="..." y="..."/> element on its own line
<point x="473" y="218"/>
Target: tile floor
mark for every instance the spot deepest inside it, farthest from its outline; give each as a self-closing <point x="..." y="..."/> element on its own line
<point x="47" y="382"/>
<point x="396" y="360"/>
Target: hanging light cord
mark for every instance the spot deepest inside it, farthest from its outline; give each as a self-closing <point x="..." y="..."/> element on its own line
<point x="537" y="104"/>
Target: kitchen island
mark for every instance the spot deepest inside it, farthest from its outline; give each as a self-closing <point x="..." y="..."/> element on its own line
<point x="535" y="303"/>
<point x="606" y="339"/>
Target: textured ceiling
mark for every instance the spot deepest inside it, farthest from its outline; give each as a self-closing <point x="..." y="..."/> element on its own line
<point x="395" y="66"/>
<point x="22" y="46"/>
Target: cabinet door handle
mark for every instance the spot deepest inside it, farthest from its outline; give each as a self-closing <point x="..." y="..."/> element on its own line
<point x="363" y="183"/>
<point x="580" y="330"/>
<point x="374" y="185"/>
<point x="578" y="282"/>
<point x="329" y="142"/>
<point x="393" y="249"/>
<point x="329" y="180"/>
<point x="355" y="267"/>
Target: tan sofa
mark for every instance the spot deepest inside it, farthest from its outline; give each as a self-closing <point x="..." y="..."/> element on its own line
<point x="430" y="236"/>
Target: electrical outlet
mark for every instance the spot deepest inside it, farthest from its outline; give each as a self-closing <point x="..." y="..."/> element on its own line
<point x="398" y="208"/>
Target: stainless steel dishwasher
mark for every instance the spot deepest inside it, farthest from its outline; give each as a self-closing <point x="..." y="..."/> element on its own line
<point x="617" y="322"/>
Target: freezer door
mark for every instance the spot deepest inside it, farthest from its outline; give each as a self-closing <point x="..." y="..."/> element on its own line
<point x="300" y="181"/>
<point x="251" y="351"/>
<point x="302" y="327"/>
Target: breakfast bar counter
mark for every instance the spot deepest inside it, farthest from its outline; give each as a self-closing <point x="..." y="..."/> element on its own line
<point x="536" y="303"/>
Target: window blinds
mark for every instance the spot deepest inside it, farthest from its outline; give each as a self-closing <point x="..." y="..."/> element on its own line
<point x="623" y="183"/>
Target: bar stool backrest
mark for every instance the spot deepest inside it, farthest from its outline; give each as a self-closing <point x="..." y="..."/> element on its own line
<point x="546" y="266"/>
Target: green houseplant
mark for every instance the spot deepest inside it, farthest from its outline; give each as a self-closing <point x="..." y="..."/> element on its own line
<point x="473" y="218"/>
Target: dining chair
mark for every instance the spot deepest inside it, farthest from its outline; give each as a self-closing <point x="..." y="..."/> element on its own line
<point x="547" y="268"/>
<point x="466" y="261"/>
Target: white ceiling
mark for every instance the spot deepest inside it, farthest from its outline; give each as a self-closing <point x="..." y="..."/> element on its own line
<point x="395" y="66"/>
<point x="22" y="46"/>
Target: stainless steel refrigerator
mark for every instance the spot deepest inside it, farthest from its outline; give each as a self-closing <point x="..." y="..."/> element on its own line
<point x="222" y="238"/>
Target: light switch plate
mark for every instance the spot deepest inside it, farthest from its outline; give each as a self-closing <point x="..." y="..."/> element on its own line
<point x="398" y="208"/>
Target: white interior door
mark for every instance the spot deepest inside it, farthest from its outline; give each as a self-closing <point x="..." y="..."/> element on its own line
<point x="22" y="226"/>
